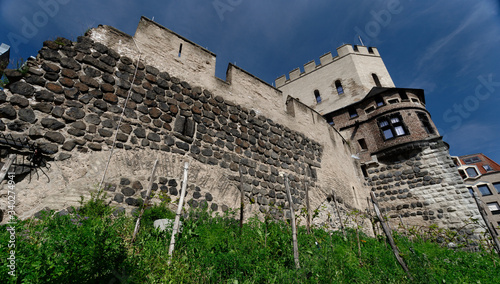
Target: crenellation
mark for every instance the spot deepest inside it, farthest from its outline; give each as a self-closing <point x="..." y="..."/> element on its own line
<point x="280" y="81"/>
<point x="294" y="74"/>
<point x="325" y="58"/>
<point x="309" y="66"/>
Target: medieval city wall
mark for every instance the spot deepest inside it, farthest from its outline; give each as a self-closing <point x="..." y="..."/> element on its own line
<point x="72" y="105"/>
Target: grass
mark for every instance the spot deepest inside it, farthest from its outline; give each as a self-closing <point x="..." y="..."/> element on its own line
<point x="90" y="246"/>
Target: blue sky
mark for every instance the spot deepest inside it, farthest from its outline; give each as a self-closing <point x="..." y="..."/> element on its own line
<point x="448" y="48"/>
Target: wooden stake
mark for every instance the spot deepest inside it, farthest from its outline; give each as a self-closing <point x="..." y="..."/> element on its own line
<point x="294" y="229"/>
<point x="242" y="200"/>
<point x="374" y="227"/>
<point x="338" y="213"/>
<point x="308" y="220"/>
<point x="488" y="224"/>
<point x="357" y="238"/>
<point x="403" y="223"/>
<point x="387" y="232"/>
<point x="6" y="166"/>
<point x="368" y="208"/>
<point x="146" y="201"/>
<point x="178" y="215"/>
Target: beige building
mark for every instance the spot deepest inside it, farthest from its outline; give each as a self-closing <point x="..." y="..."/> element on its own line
<point x="337" y="81"/>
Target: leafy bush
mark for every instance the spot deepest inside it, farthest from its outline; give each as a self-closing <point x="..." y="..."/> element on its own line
<point x="64" y="249"/>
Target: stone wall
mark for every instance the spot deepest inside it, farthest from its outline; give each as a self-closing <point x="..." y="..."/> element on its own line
<point x="420" y="183"/>
<point x="71" y="103"/>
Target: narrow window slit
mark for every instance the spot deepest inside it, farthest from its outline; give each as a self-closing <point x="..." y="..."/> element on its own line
<point x="180" y="50"/>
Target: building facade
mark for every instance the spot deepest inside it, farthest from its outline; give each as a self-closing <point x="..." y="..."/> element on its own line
<point x="482" y="177"/>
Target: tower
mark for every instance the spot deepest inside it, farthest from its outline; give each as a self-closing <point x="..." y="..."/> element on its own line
<point x="402" y="157"/>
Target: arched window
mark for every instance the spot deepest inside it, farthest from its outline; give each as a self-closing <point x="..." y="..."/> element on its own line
<point x="338" y="85"/>
<point x="329" y="118"/>
<point x="376" y="80"/>
<point x="317" y="95"/>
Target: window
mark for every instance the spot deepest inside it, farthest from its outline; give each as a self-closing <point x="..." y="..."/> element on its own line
<point x="393" y="101"/>
<point x="355" y="47"/>
<point x="392" y="126"/>
<point x="362" y="144"/>
<point x="376" y="80"/>
<point x="403" y="95"/>
<point x="494" y="208"/>
<point x="483" y="188"/>
<point x="379" y="101"/>
<point x="290" y="109"/>
<point x="370" y="109"/>
<point x="370" y="50"/>
<point x="363" y="170"/>
<point x="487" y="168"/>
<point x="462" y="174"/>
<point x="472" y="160"/>
<point x="426" y="124"/>
<point x="471" y="172"/>
<point x="180" y="50"/>
<point x="338" y="85"/>
<point x="318" y="97"/>
<point x="415" y="101"/>
<point x="329" y="119"/>
<point x="497" y="187"/>
<point x="352" y="112"/>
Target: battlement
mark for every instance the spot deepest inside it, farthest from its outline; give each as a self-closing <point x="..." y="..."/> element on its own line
<point x="325" y="59"/>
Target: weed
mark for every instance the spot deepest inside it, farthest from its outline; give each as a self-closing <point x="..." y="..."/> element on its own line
<point x="3" y="82"/>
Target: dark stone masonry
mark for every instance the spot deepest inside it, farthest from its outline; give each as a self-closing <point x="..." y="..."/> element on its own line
<point x="416" y="182"/>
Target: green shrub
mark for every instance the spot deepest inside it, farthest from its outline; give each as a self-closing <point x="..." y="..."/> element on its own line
<point x="64" y="249"/>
